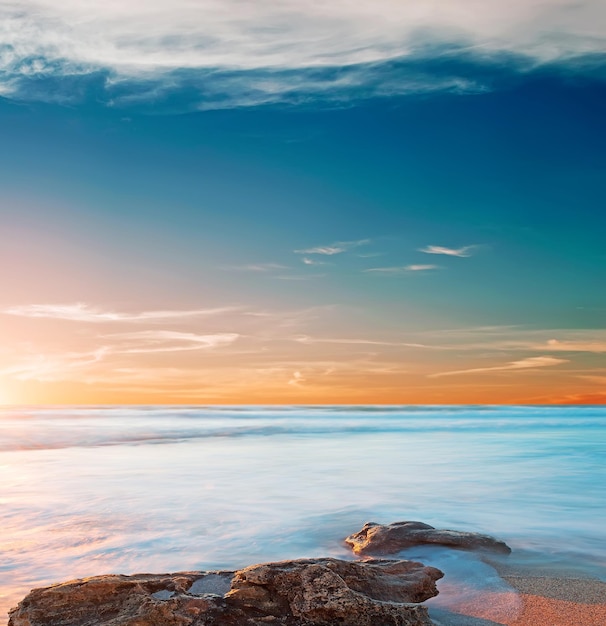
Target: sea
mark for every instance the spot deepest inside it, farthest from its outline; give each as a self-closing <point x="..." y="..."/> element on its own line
<point x="95" y="490"/>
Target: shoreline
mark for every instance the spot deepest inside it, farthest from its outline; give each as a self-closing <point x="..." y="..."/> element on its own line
<point x="534" y="601"/>
<point x="545" y="600"/>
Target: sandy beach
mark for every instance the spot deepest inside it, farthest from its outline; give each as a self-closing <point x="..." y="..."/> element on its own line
<point x="541" y="601"/>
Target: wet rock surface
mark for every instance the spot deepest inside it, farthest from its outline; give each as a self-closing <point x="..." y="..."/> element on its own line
<point x="378" y="539"/>
<point x="120" y="600"/>
<point x="323" y="592"/>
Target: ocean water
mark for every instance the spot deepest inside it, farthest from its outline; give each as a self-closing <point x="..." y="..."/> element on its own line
<point x="94" y="490"/>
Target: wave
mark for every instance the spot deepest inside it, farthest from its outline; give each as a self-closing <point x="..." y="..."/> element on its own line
<point x="29" y="428"/>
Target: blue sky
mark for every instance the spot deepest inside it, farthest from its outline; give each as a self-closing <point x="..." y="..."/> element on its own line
<point x="371" y="178"/>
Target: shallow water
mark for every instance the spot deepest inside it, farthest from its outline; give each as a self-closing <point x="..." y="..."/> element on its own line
<point x="91" y="490"/>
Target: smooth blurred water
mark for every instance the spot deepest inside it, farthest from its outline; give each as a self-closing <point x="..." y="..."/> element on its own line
<point x="92" y="490"/>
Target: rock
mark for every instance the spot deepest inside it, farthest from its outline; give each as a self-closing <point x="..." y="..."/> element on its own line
<point x="306" y="592"/>
<point x="330" y="591"/>
<point x="140" y="600"/>
<point x="379" y="539"/>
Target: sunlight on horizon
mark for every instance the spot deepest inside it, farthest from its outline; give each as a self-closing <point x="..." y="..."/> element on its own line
<point x="4" y="396"/>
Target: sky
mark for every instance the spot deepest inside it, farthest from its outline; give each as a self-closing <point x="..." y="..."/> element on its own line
<point x="226" y="202"/>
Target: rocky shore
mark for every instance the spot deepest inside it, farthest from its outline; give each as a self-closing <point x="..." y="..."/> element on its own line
<point x="288" y="593"/>
<point x="320" y="592"/>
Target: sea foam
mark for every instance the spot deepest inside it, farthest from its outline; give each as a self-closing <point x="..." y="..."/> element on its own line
<point x="92" y="490"/>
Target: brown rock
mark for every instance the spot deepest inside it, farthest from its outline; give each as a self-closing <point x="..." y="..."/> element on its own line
<point x="140" y="600"/>
<point x="380" y="539"/>
<point x="330" y="591"/>
<point x="322" y="592"/>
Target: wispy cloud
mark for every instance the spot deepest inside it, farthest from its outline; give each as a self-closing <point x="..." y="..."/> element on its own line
<point x="149" y="341"/>
<point x="233" y="54"/>
<point x="573" y="346"/>
<point x="519" y="338"/>
<point x="54" y="367"/>
<point x="335" y="248"/>
<point x="405" y="269"/>
<point x="306" y="339"/>
<point x="81" y="312"/>
<point x="328" y="250"/>
<point x="139" y="37"/>
<point x="465" y="251"/>
<point x="529" y="363"/>
<point x="95" y="364"/>
<point x="484" y="340"/>
<point x="308" y="261"/>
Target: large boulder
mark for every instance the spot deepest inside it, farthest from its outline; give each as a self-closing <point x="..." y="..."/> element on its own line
<point x="306" y="592"/>
<point x="330" y="591"/>
<point x="381" y="539"/>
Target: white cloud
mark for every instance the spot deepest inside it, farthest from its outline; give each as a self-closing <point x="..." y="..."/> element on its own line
<point x="336" y="248"/>
<point x="465" y="251"/>
<point x="149" y="341"/>
<point x="420" y="268"/>
<point x="308" y="261"/>
<point x="328" y="250"/>
<point x="523" y="364"/>
<point x="149" y="40"/>
<point x="146" y="35"/>
<point x="402" y="269"/>
<point x="81" y="312"/>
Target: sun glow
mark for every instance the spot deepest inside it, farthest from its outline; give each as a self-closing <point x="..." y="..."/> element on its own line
<point x="4" y="396"/>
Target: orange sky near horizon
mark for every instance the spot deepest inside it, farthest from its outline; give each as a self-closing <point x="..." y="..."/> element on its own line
<point x="79" y="354"/>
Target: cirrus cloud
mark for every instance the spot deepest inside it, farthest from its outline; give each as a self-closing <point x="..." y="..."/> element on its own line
<point x="335" y="248"/>
<point x="402" y="270"/>
<point x="529" y="363"/>
<point x="260" y="51"/>
<point x="81" y="312"/>
<point x="143" y="35"/>
<point x="150" y="341"/>
<point x="460" y="252"/>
